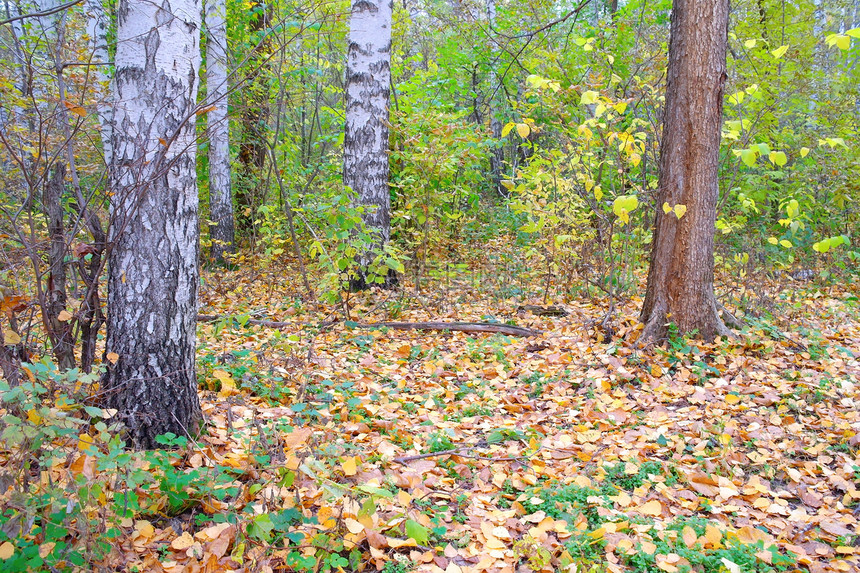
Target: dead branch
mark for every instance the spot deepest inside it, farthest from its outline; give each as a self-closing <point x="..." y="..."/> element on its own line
<point x="254" y="321"/>
<point x="537" y="310"/>
<point x="491" y="327"/>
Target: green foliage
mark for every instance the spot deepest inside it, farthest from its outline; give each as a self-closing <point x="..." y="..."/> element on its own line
<point x="535" y="555"/>
<point x="617" y="476"/>
<point x="43" y="411"/>
<point x="710" y="560"/>
<point x="439" y="442"/>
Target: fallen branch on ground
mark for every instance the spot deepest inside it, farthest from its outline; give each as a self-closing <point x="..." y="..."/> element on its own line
<point x="254" y="321"/>
<point x="491" y="327"/>
<point x="536" y="310"/>
<point x="404" y="460"/>
<point x="458" y="326"/>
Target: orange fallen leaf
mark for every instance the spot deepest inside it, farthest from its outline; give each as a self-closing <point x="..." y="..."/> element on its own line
<point x="652" y="507"/>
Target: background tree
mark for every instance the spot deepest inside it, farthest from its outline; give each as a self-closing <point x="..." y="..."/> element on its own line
<point x="365" y="146"/>
<point x="221" y="229"/>
<point x="681" y="276"/>
<point x="254" y="111"/>
<point x="98" y="21"/>
<point x="153" y="275"/>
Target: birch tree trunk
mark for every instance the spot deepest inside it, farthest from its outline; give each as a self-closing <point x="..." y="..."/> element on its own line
<point x="152" y="273"/>
<point x="221" y="231"/>
<point x="365" y="147"/>
<point x="681" y="276"/>
<point x="97" y="28"/>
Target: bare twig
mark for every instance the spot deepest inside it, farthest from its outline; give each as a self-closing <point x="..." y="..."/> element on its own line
<point x="54" y="10"/>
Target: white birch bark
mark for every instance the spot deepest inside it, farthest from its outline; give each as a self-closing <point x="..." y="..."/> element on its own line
<point x="97" y="27"/>
<point x="11" y="10"/>
<point x="220" y="197"/>
<point x="365" y="153"/>
<point x="152" y="273"/>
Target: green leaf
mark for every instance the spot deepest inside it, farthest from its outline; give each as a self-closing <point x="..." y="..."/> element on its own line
<point x="748" y="156"/>
<point x="395" y="265"/>
<point x="589" y="97"/>
<point x="377" y="491"/>
<point x="417" y="532"/>
<point x="778" y="158"/>
<point x="623" y="206"/>
<point x="93" y="411"/>
<point x="261" y="527"/>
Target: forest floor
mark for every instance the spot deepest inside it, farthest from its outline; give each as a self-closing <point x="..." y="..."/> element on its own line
<point x="332" y="446"/>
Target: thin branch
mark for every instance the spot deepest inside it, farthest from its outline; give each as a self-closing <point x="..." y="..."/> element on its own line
<point x="59" y="8"/>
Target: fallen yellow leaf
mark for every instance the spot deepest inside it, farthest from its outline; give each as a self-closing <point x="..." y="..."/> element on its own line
<point x="144" y="528"/>
<point x="349" y="467"/>
<point x="712" y="536"/>
<point x="182" y="542"/>
<point x="353" y="526"/>
<point x="652" y="507"/>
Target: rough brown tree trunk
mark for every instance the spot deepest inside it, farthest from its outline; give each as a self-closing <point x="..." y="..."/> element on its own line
<point x="58" y="326"/>
<point x="681" y="276"/>
<point x="253" y="125"/>
<point x="497" y="153"/>
<point x="152" y="272"/>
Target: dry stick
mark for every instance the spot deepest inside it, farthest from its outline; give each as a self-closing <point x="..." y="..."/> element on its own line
<point x="490" y="327"/>
<point x="458" y="326"/>
<point x="404" y="460"/>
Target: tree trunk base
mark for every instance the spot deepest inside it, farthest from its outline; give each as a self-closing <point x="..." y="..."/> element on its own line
<point x="360" y="283"/>
<point x="656" y="329"/>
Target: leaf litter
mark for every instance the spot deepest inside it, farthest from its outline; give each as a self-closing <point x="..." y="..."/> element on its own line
<point x="330" y="447"/>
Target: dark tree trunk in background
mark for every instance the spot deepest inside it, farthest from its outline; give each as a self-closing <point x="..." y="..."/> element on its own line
<point x="254" y="131"/>
<point x="681" y="276"/>
<point x="497" y="154"/>
<point x="152" y="272"/>
<point x="57" y="319"/>
<point x="365" y="146"/>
